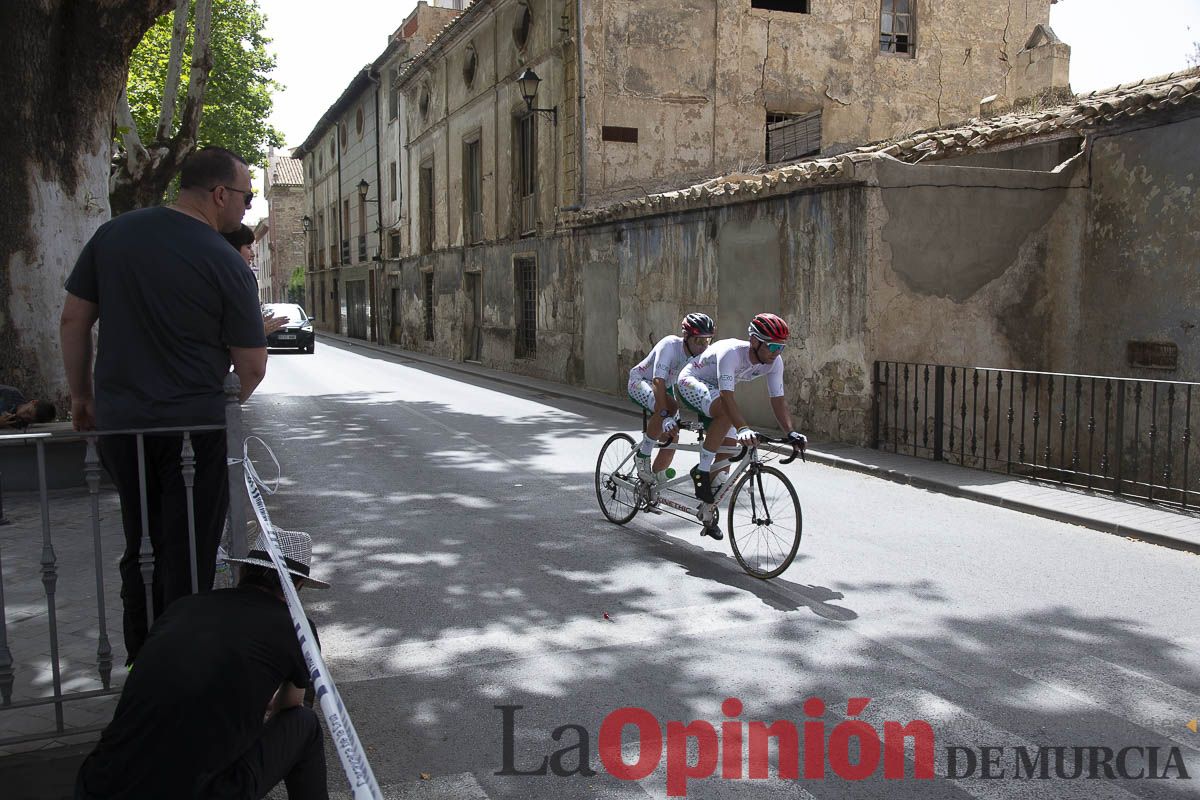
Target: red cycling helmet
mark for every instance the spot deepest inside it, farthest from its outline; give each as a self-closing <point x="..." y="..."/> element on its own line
<point x="769" y="328"/>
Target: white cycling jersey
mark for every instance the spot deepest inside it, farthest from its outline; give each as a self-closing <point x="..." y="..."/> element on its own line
<point x="727" y="362"/>
<point x="664" y="361"/>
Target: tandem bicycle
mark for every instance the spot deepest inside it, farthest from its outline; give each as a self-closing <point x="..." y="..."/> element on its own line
<point x="764" y="517"/>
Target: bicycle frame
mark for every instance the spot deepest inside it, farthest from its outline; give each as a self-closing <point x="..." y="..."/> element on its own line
<point x="705" y="512"/>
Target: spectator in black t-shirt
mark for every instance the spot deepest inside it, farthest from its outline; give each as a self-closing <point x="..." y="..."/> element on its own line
<point x="189" y="723"/>
<point x="177" y="306"/>
<point x="18" y="412"/>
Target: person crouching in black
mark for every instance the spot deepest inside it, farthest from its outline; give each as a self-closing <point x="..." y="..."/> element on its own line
<point x="213" y="707"/>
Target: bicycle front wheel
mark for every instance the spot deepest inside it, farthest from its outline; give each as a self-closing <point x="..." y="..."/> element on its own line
<point x="764" y="522"/>
<point x="616" y="473"/>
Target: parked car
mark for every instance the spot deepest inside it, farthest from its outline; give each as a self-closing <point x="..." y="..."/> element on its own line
<point x="297" y="332"/>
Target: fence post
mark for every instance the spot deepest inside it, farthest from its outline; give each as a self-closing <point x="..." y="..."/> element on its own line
<point x="237" y="486"/>
<point x="875" y="408"/>
<point x="939" y="411"/>
<point x="1120" y="436"/>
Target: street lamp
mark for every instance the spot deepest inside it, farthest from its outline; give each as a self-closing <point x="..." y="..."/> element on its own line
<point x="363" y="187"/>
<point x="529" y="81"/>
<point x="307" y="223"/>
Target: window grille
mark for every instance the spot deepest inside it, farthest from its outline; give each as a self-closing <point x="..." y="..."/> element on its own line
<point x="526" y="296"/>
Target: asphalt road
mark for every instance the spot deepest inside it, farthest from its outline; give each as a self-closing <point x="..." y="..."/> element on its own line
<point x="471" y="568"/>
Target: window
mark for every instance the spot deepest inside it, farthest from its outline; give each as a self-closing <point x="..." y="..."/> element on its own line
<point x="362" y="229"/>
<point x="394" y="94"/>
<point x="897" y="28"/>
<point x="522" y="26"/>
<point x="472" y="183"/>
<point x="423" y="101"/>
<point x="342" y="133"/>
<point x="393" y="186"/>
<point x="332" y="147"/>
<point x="1153" y="355"/>
<point x="394" y="244"/>
<point x="425" y="208"/>
<point x="321" y="239"/>
<point x="358" y="123"/>
<point x="346" y="232"/>
<point x="792" y="136"/>
<point x="333" y="235"/>
<point x="429" y="306"/>
<point x="470" y="62"/>
<point x="794" y="6"/>
<point x="525" y="280"/>
<point x="526" y="173"/>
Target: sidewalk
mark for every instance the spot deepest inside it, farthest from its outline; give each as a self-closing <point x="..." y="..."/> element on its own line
<point x="1101" y="512"/>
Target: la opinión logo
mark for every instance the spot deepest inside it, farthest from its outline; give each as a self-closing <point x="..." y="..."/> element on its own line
<point x="725" y="749"/>
<point x="739" y="748"/>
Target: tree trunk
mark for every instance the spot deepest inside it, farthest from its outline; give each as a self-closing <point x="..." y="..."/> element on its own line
<point x="64" y="63"/>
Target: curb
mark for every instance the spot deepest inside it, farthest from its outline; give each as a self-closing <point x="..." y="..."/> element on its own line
<point x="825" y="459"/>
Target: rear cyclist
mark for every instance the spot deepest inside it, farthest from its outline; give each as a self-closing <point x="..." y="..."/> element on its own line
<point x="651" y="386"/>
<point x="707" y="385"/>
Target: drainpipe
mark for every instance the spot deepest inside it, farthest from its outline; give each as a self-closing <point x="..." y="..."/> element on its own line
<point x="373" y="77"/>
<point x="581" y="136"/>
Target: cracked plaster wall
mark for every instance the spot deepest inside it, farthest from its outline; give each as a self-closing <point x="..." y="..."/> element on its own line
<point x="703" y="116"/>
<point x="1142" y="281"/>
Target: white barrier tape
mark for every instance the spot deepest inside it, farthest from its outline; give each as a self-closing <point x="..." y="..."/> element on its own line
<point x="345" y="739"/>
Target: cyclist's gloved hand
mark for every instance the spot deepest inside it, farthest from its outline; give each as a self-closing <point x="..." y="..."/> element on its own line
<point x="670" y="424"/>
<point x="746" y="437"/>
<point x="799" y="442"/>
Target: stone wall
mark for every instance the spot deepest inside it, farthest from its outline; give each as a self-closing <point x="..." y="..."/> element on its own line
<point x="286" y="210"/>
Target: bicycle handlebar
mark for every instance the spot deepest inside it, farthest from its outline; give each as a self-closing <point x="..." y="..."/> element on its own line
<point x="763" y="438"/>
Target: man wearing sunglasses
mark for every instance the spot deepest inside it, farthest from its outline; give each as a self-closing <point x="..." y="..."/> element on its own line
<point x="177" y="307"/>
<point x="707" y="385"/>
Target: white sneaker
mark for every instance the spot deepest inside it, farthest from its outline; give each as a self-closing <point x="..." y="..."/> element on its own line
<point x="643" y="467"/>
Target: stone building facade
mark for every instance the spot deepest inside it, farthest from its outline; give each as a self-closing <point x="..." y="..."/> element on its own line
<point x="347" y="194"/>
<point x="1050" y="240"/>
<point x="283" y="180"/>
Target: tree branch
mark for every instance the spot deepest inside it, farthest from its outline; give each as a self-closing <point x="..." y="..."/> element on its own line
<point x="166" y="117"/>
<point x="135" y="151"/>
<point x="189" y="126"/>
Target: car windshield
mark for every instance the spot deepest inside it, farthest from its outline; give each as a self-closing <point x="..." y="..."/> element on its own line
<point x="293" y="313"/>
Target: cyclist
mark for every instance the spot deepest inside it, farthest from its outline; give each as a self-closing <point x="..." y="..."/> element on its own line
<point x="652" y="386"/>
<point x="707" y="385"/>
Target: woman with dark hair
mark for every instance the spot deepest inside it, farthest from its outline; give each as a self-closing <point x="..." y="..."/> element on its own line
<point x="242" y="240"/>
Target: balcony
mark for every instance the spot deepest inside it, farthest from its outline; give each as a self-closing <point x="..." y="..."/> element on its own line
<point x="362" y="247"/>
<point x="345" y="251"/>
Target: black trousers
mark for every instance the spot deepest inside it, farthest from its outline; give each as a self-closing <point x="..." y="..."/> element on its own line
<point x="289" y="750"/>
<point x="167" y="509"/>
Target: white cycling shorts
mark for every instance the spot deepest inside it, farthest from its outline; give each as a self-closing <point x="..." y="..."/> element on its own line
<point x="642" y="393"/>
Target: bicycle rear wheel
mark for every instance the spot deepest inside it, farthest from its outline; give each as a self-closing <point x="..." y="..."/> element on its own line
<point x="618" y="502"/>
<point x="764" y="522"/>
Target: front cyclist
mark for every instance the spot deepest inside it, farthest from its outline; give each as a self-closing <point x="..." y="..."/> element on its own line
<point x="707" y="384"/>
<point x="652" y="382"/>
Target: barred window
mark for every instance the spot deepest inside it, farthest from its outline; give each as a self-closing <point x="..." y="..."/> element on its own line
<point x="897" y="27"/>
<point x="429" y="306"/>
<point x="525" y="274"/>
